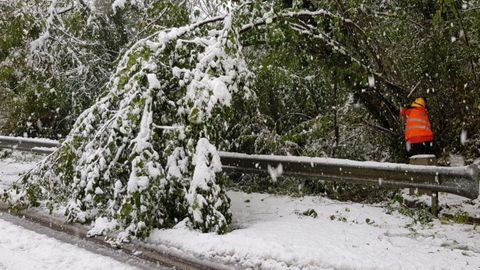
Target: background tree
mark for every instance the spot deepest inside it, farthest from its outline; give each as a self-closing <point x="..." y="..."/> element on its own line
<point x="56" y="55"/>
<point x="379" y="52"/>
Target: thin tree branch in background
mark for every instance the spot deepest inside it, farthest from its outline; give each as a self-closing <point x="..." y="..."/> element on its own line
<point x="414" y="88"/>
<point x="65" y="10"/>
<point x="467" y="42"/>
<point x="394" y="15"/>
<point x="292" y="14"/>
<point x="342" y="50"/>
<point x="380" y="128"/>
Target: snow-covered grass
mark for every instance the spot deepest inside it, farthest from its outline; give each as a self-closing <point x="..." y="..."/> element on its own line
<point x="280" y="232"/>
<point x="450" y="203"/>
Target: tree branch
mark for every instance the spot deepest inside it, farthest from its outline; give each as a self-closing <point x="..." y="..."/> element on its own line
<point x="342" y="50"/>
<point x="291" y="14"/>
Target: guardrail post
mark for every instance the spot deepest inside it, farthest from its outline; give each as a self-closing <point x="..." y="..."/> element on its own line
<point x="426" y="160"/>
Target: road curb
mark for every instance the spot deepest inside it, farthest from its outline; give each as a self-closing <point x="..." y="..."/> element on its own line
<point x="136" y="253"/>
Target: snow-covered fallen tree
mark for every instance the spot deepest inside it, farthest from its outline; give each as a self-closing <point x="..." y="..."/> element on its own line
<point x="141" y="156"/>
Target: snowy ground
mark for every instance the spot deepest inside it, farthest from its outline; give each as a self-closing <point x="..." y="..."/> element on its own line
<point x="14" y="164"/>
<point x="24" y="249"/>
<point x="271" y="232"/>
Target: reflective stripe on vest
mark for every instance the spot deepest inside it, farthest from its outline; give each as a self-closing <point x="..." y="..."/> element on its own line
<point x="417" y="127"/>
<point x="413" y="119"/>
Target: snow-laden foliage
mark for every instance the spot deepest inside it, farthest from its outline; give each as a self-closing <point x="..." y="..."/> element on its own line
<point x="141" y="154"/>
<point x="206" y="199"/>
<point x="57" y="54"/>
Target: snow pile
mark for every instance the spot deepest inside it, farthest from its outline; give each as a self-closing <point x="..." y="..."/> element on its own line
<point x="101" y="226"/>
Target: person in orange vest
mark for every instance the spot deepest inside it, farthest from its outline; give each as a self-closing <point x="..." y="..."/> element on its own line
<point x="418" y="131"/>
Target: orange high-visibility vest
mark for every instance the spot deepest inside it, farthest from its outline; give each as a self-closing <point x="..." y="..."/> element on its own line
<point x="417" y="125"/>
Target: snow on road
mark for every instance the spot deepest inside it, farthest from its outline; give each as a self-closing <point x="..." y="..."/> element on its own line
<point x="271" y="232"/>
<point x="24" y="249"/>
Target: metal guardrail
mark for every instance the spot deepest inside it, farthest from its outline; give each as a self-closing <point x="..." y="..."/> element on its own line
<point x="463" y="181"/>
<point x="43" y="146"/>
